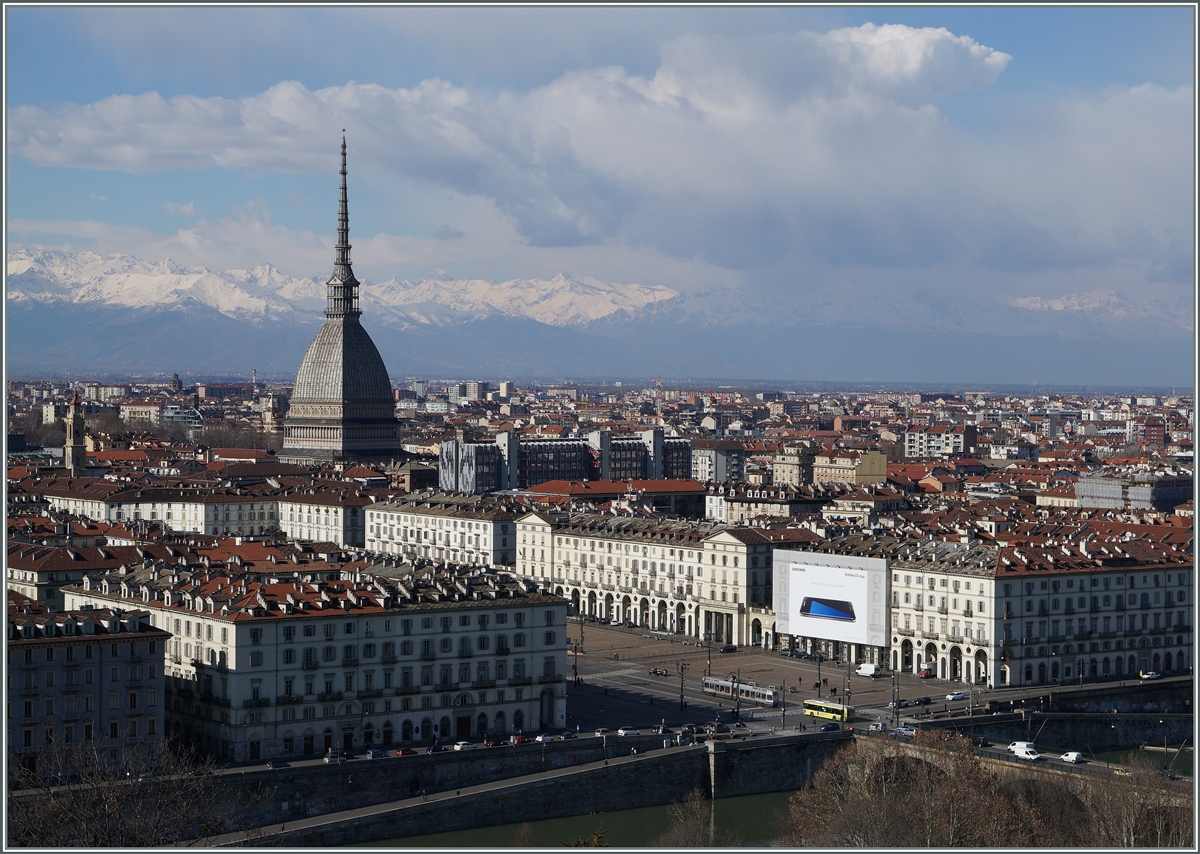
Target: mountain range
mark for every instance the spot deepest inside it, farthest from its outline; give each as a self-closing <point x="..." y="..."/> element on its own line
<point x="74" y="312"/>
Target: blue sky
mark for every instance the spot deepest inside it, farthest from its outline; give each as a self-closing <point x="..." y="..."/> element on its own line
<point x="977" y="155"/>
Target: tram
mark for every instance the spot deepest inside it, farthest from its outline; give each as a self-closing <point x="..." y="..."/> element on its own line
<point x="749" y="692"/>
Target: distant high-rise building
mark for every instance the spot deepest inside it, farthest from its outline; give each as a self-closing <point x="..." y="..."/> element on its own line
<point x="74" y="452"/>
<point x="341" y="407"/>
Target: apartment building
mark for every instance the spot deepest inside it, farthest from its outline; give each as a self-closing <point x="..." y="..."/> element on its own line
<point x="77" y="676"/>
<point x="940" y="440"/>
<point x="292" y="667"/>
<point x="464" y="529"/>
<point x="719" y="460"/>
<point x="697" y="579"/>
<point x="850" y="467"/>
<point x="324" y="514"/>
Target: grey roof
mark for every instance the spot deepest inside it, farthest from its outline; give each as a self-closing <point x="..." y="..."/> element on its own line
<point x="342" y="365"/>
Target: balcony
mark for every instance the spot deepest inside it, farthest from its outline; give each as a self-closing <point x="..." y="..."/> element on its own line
<point x="311" y="665"/>
<point x="956" y="638"/>
<point x="350" y="662"/>
<point x="175" y="659"/>
<point x="411" y="689"/>
<point x="484" y="683"/>
<point x="465" y="653"/>
<point x="521" y="680"/>
<point x="214" y="700"/>
<point x="428" y="656"/>
<point x="286" y="700"/>
<point x="133" y="683"/>
<point x="546" y="680"/>
<point x="446" y="686"/>
<point x="328" y="696"/>
<point x="908" y="633"/>
<point x="967" y="612"/>
<point x="502" y="650"/>
<point x="388" y="658"/>
<point x="254" y="704"/>
<point x="370" y="693"/>
<point x="942" y="609"/>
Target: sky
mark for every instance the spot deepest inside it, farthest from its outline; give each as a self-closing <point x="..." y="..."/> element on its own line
<point x="979" y="157"/>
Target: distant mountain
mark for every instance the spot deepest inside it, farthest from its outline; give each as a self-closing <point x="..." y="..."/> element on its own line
<point x="74" y="313"/>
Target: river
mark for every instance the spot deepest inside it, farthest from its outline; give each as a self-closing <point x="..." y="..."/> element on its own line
<point x="753" y="820"/>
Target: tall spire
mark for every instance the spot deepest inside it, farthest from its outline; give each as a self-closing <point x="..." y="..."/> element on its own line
<point x="343" y="287"/>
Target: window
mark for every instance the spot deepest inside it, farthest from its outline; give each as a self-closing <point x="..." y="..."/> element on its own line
<point x="310" y="631"/>
<point x="256" y="659"/>
<point x="289" y="656"/>
<point x="349" y="628"/>
<point x="519" y="639"/>
<point x="549" y="618"/>
<point x="551" y="639"/>
<point x="406" y="648"/>
<point x="289" y="634"/>
<point x="255" y="636"/>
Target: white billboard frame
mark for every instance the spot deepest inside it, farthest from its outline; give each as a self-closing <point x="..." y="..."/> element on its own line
<point x="831" y="597"/>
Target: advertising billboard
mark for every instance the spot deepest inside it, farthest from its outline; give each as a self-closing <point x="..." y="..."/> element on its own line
<point x="831" y="597"/>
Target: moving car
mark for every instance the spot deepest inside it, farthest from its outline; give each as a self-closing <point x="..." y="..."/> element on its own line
<point x="728" y="648"/>
<point x="405" y="751"/>
<point x="956" y="695"/>
<point x="376" y="753"/>
<point x="544" y="737"/>
<point x="334" y="757"/>
<point x="908" y="731"/>
<point x="659" y="729"/>
<point x="829" y="727"/>
<point x="435" y="748"/>
<point x="1018" y="745"/>
<point x="1027" y="753"/>
<point x="463" y="745"/>
<point x="1073" y="756"/>
<point x="567" y="735"/>
<point x="898" y="704"/>
<point x="1149" y="674"/>
<point x="921" y="701"/>
<point x="519" y="739"/>
<point x="628" y="730"/>
<point x="604" y="731"/>
<point x="691" y="729"/>
<point x="878" y="726"/>
<point x="981" y="742"/>
<point x="150" y="778"/>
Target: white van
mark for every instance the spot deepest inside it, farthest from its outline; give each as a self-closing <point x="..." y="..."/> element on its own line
<point x="1020" y="745"/>
<point x="1027" y="753"/>
<point x="871" y="670"/>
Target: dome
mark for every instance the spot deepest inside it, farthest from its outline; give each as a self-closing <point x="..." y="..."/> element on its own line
<point x="342" y="366"/>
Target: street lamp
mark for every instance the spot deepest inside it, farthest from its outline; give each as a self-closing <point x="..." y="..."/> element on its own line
<point x="1108" y="745"/>
<point x="708" y="637"/>
<point x="682" y="668"/>
<point x="1164" y="732"/>
<point x="820" y="658"/>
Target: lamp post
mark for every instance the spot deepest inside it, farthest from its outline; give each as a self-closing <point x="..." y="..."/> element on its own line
<point x="708" y="636"/>
<point x="682" y="667"/>
<point x="737" y="699"/>
<point x="820" y="658"/>
<point x="1108" y="745"/>
<point x="1164" y="732"/>
<point x="579" y="646"/>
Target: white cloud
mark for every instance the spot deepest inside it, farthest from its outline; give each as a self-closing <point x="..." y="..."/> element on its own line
<point x="185" y="210"/>
<point x="98" y="198"/>
<point x="742" y="152"/>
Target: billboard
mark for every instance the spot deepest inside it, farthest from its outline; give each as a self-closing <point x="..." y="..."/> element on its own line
<point x="831" y="596"/>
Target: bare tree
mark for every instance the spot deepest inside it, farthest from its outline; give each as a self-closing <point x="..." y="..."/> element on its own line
<point x="691" y="823"/>
<point x="81" y="796"/>
<point x="525" y="837"/>
<point x="596" y="840"/>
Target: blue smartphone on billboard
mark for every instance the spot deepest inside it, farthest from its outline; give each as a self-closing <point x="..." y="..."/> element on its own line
<point x="829" y="609"/>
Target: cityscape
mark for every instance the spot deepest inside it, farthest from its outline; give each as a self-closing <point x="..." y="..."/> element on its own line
<point x="657" y="551"/>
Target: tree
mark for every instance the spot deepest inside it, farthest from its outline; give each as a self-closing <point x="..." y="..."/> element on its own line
<point x="691" y="823"/>
<point x="596" y="840"/>
<point x="525" y="837"/>
<point x="147" y="796"/>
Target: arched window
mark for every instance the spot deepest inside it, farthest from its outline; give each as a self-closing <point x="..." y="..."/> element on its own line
<point x="1167" y="662"/>
<point x="518" y="721"/>
<point x="426" y="729"/>
<point x="501" y="723"/>
<point x="481" y="725"/>
<point x="1105" y="667"/>
<point x="406" y="731"/>
<point x="387" y="734"/>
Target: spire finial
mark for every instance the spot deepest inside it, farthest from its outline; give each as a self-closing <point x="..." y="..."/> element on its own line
<point x="343" y="287"/>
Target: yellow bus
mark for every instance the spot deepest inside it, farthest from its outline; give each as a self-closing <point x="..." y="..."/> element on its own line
<point x="832" y="711"/>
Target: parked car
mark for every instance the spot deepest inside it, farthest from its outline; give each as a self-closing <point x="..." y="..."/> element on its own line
<point x="717" y="727"/>
<point x="463" y="745"/>
<point x="435" y="748"/>
<point x="956" y="695"/>
<point x="491" y="742"/>
<point x="1074" y="757"/>
<point x="1149" y="674"/>
<point x="405" y="751"/>
<point x="728" y="648"/>
<point x="924" y="674"/>
<point x="334" y="757"/>
<point x="519" y="739"/>
<point x="628" y="730"/>
<point x="829" y="727"/>
<point x="691" y="729"/>
<point x="567" y="735"/>
<point x="376" y="753"/>
<point x="907" y="731"/>
<point x="604" y="731"/>
<point x="544" y="737"/>
<point x="878" y="726"/>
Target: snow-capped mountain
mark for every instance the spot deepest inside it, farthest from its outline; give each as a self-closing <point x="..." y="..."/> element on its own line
<point x="264" y="294"/>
